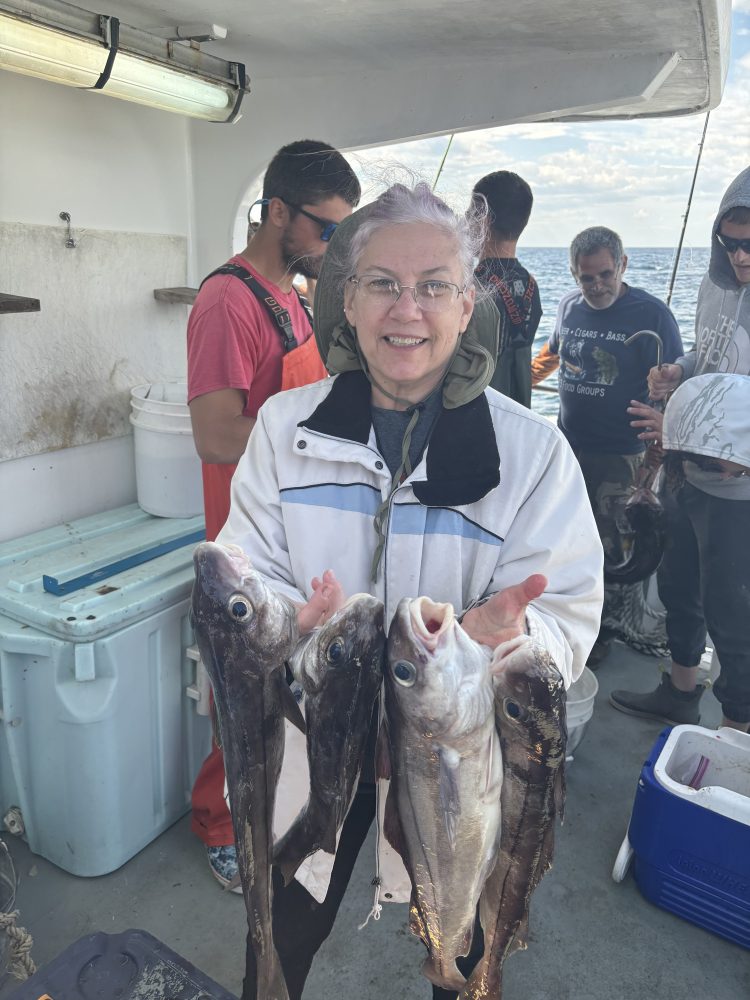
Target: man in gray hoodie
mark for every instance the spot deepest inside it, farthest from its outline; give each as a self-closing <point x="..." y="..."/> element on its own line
<point x="705" y="574"/>
<point x="722" y="321"/>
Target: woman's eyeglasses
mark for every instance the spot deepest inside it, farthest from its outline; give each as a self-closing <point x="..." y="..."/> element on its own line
<point x="430" y="296"/>
<point x="731" y="245"/>
<point x="327" y="228"/>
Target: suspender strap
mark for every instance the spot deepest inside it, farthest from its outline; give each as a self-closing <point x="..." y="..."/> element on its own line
<point x="277" y="312"/>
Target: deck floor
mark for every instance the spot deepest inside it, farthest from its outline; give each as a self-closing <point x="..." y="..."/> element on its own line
<point x="590" y="939"/>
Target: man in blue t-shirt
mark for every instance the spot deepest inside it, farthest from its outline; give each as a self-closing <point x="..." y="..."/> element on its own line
<point x="600" y="375"/>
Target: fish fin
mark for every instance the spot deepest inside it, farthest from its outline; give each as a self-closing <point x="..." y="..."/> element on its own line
<point x="394" y="832"/>
<point x="416" y="922"/>
<point x="560" y="790"/>
<point x="521" y="938"/>
<point x="233" y="883"/>
<point x="216" y="724"/>
<point x="450" y="798"/>
<point x="383" y="753"/>
<point x="290" y="707"/>
<point x="447" y="979"/>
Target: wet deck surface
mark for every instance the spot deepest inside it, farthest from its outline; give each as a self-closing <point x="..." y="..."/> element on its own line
<point x="591" y="939"/>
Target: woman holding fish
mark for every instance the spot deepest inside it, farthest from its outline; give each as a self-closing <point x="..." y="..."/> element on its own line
<point x="408" y="477"/>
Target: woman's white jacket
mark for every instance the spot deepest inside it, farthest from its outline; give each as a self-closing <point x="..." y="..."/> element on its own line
<point x="497" y="496"/>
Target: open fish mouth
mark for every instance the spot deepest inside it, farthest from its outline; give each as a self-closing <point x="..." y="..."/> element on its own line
<point x="220" y="567"/>
<point x="430" y="622"/>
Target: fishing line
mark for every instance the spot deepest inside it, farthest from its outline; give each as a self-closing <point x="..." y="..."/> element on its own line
<point x="442" y="162"/>
<point x="687" y="212"/>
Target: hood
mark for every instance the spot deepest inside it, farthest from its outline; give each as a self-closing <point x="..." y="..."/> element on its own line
<point x="710" y="415"/>
<point x="736" y="195"/>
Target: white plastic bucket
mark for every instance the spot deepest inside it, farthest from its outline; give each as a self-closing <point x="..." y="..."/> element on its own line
<point x="167" y="467"/>
<point x="580" y="706"/>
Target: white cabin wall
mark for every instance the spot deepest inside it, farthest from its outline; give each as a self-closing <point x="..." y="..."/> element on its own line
<point x="122" y="172"/>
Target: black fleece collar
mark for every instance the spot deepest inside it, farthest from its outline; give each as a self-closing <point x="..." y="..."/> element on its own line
<point x="463" y="463"/>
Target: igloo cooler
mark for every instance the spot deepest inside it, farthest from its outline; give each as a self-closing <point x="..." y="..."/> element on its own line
<point x="690" y="828"/>
<point x="100" y="737"/>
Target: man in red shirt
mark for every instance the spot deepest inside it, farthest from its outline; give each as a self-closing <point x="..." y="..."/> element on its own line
<point x="249" y="336"/>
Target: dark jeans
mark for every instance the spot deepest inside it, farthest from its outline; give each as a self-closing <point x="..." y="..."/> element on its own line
<point x="704" y="583"/>
<point x="301" y="925"/>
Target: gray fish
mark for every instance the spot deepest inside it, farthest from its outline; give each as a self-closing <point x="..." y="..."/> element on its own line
<point x="530" y="717"/>
<point x="443" y="806"/>
<point x="245" y="633"/>
<point x="340" y="670"/>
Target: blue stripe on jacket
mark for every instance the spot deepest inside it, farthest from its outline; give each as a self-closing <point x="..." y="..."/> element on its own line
<point x="406" y="519"/>
<point x="414" y="519"/>
<point x="357" y="497"/>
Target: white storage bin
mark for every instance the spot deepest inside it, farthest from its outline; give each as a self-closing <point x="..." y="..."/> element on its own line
<point x="100" y="741"/>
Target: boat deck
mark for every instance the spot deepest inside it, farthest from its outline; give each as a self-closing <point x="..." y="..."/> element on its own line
<point x="590" y="939"/>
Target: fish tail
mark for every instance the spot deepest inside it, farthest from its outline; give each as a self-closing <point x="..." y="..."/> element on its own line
<point x="448" y="977"/>
<point x="305" y="836"/>
<point x="271" y="982"/>
<point x="478" y="985"/>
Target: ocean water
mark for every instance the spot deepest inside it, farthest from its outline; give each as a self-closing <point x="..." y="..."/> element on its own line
<point x="649" y="268"/>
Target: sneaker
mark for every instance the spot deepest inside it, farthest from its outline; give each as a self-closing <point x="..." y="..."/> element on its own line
<point x="223" y="864"/>
<point x="666" y="704"/>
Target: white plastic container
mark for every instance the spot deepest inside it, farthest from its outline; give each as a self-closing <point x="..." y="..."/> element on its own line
<point x="580" y="706"/>
<point x="167" y="467"/>
<point x="725" y="784"/>
<point x="100" y="740"/>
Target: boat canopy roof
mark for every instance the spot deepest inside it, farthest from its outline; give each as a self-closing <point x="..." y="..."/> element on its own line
<point x="400" y="70"/>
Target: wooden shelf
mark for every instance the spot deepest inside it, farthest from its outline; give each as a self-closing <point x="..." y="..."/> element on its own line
<point x="18" y="304"/>
<point x="184" y="296"/>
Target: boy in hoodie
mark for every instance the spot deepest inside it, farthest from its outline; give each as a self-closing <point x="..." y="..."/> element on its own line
<point x="705" y="573"/>
<point x="722" y="321"/>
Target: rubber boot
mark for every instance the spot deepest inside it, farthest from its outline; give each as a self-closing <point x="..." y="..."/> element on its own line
<point x="666" y="704"/>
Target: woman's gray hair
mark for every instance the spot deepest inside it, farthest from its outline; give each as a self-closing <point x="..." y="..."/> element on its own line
<point x="400" y="205"/>
<point x="592" y="240"/>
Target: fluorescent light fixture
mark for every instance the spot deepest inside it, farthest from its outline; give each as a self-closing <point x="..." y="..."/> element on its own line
<point x="65" y="44"/>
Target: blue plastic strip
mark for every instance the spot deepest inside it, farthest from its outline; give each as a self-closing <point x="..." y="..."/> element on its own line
<point x="53" y="586"/>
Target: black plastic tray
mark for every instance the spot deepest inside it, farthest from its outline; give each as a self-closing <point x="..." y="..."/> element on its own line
<point x="133" y="965"/>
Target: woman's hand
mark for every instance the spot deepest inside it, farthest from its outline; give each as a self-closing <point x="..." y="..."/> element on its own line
<point x="326" y="600"/>
<point x="663" y="380"/>
<point x="503" y="616"/>
<point x="649" y="420"/>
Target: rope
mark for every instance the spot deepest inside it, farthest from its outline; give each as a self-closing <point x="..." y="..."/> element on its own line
<point x="20" y="963"/>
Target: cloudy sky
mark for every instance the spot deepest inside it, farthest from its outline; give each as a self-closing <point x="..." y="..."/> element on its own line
<point x="631" y="176"/>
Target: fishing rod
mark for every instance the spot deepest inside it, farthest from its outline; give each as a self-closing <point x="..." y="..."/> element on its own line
<point x="442" y="162"/>
<point x="687" y="212"/>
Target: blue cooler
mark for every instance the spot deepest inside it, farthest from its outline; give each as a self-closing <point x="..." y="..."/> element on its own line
<point x="690" y="828"/>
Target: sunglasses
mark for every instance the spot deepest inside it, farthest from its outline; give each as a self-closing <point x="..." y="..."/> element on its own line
<point x="327" y="228"/>
<point x="731" y="245"/>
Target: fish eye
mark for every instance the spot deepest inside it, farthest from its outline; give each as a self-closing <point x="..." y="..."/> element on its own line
<point x="405" y="673"/>
<point x="336" y="650"/>
<point x="240" y="608"/>
<point x="512" y="709"/>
